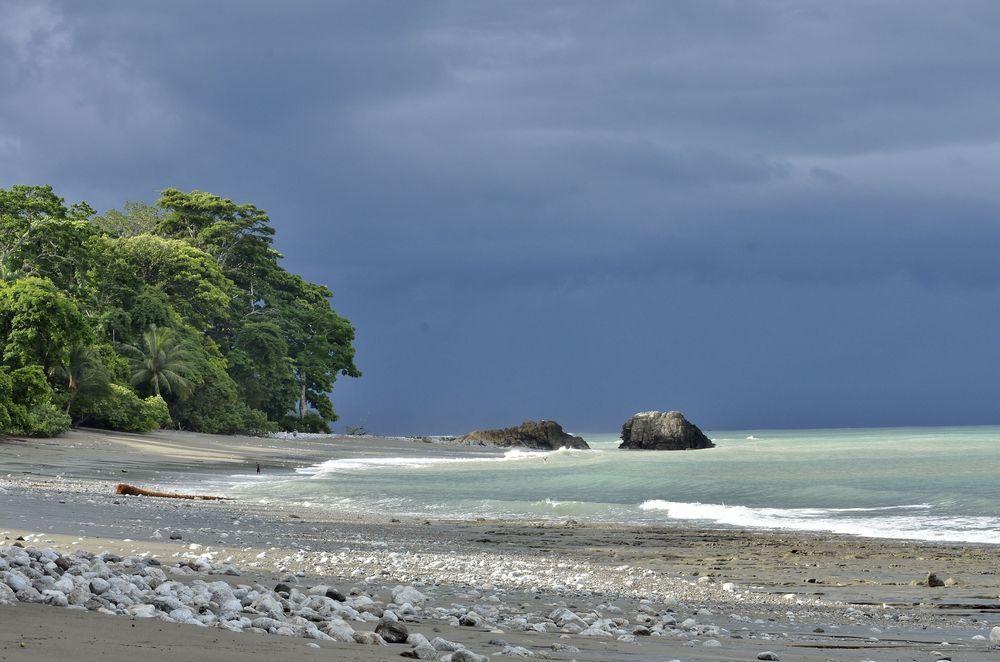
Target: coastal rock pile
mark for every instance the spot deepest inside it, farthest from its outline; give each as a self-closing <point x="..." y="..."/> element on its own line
<point x="659" y="431"/>
<point x="384" y="615"/>
<point x="538" y="435"/>
<point x="139" y="587"/>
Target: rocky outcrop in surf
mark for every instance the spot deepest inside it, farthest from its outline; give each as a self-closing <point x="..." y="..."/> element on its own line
<point x="537" y="435"/>
<point x="662" y="431"/>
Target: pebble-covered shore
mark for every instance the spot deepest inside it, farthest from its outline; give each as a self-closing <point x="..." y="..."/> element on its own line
<point x="186" y="592"/>
<point x="470" y="590"/>
<point x="194" y="592"/>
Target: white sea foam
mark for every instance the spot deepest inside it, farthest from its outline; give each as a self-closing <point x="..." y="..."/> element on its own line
<point x="885" y="522"/>
<point x="366" y="463"/>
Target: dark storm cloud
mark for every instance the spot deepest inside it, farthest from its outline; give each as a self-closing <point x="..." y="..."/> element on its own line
<point x="468" y="177"/>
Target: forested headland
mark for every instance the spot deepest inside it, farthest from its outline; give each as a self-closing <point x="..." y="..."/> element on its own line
<point x="172" y="315"/>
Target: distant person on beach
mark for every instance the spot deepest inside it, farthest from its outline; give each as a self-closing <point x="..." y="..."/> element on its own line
<point x="258" y="467"/>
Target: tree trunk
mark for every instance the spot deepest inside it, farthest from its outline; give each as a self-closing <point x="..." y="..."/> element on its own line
<point x="302" y="398"/>
<point x="132" y="490"/>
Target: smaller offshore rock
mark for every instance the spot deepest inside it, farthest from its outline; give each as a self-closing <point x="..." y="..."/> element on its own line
<point x="537" y="435"/>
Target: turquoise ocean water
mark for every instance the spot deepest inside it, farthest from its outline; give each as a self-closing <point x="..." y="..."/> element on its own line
<point x="938" y="484"/>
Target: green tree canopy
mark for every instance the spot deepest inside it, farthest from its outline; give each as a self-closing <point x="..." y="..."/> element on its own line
<point x="260" y="364"/>
<point x="38" y="324"/>
<point x="39" y="236"/>
<point x="320" y="343"/>
<point x="190" y="279"/>
<point x="184" y="298"/>
<point x="135" y="218"/>
<point x="238" y="236"/>
<point x="27" y="404"/>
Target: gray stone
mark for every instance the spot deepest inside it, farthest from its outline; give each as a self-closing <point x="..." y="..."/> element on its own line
<point x="445" y="646"/>
<point x="142" y="611"/>
<point x="596" y="631"/>
<point x="269" y="606"/>
<point x="403" y="594"/>
<point x="29" y="594"/>
<point x="55" y="598"/>
<point x="372" y="609"/>
<point x="415" y="639"/>
<point x="369" y="638"/>
<point x="465" y="655"/>
<point x="393" y="632"/>
<point x="471" y="619"/>
<point x="768" y="655"/>
<point x="564" y="617"/>
<point x="516" y="651"/>
<point x="564" y="648"/>
<point x="659" y="431"/>
<point x="340" y="632"/>
<point x="16" y="581"/>
<point x="422" y="651"/>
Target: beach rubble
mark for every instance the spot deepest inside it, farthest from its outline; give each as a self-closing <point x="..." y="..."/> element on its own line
<point x="139" y="588"/>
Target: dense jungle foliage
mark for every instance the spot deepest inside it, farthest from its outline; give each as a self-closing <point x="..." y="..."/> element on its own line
<point x="173" y="315"/>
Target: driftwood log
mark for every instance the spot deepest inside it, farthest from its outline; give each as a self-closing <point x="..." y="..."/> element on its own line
<point x="132" y="490"/>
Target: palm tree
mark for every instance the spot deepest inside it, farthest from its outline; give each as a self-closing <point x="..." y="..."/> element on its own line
<point x="160" y="362"/>
<point x="85" y="374"/>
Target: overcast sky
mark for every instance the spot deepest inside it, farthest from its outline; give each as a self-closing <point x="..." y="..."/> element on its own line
<point x="764" y="214"/>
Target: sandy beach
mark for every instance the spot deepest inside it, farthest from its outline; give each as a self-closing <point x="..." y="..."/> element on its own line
<point x="656" y="592"/>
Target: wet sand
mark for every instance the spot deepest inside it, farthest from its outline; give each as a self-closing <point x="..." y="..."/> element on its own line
<point x="803" y="596"/>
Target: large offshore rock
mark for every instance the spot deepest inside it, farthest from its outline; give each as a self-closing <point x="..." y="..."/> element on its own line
<point x="662" y="431"/>
<point x="539" y="435"/>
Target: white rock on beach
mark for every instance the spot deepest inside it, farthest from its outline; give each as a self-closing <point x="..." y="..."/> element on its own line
<point x="443" y="645"/>
<point x="516" y="651"/>
<point x="564" y="617"/>
<point x="404" y="594"/>
<point x="464" y="655"/>
<point x="422" y="651"/>
<point x="16" y="581"/>
<point x="142" y="611"/>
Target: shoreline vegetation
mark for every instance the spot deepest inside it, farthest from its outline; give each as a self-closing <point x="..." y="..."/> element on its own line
<point x="176" y="315"/>
<point x="554" y="589"/>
